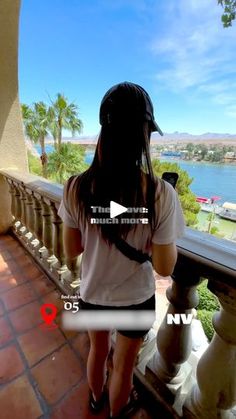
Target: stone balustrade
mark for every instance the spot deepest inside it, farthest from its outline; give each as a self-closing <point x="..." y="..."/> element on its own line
<point x="36" y="224"/>
<point x="212" y="395"/>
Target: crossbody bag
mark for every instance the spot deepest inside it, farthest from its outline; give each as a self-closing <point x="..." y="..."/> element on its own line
<point x="130" y="251"/>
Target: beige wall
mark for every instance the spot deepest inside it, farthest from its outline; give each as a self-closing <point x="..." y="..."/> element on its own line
<point x="12" y="147"/>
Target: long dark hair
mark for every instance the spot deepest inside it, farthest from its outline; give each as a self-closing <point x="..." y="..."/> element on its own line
<point x="121" y="162"/>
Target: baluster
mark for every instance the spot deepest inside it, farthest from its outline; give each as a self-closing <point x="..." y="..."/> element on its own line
<point x="47" y="248"/>
<point x="38" y="225"/>
<point x="74" y="266"/>
<point x="12" y="192"/>
<point x="215" y="392"/>
<point x="58" y="249"/>
<point x="18" y="223"/>
<point x="29" y="215"/>
<point x="174" y="341"/>
<point x="23" y="229"/>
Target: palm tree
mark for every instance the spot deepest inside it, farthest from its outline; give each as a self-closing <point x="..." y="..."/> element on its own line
<point x="36" y="127"/>
<point x="67" y="161"/>
<point x="52" y="127"/>
<point x="63" y="115"/>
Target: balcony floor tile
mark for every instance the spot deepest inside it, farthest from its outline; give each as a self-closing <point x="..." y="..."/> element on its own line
<point x="11" y="364"/>
<point x="7" y="282"/>
<point x="2" y="311"/>
<point x="54" y="298"/>
<point x="10" y="273"/>
<point x="5" y="255"/>
<point x="6" y="334"/>
<point x="31" y="271"/>
<point x="42" y="285"/>
<point x="81" y="344"/>
<point x="26" y="317"/>
<point x="38" y="342"/>
<point x="18" y="296"/>
<point x="44" y="374"/>
<point x="18" y="400"/>
<point x="57" y="374"/>
<point x="75" y="405"/>
<point x="3" y="266"/>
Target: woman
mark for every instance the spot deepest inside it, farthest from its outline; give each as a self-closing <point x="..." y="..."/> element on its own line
<point x="121" y="171"/>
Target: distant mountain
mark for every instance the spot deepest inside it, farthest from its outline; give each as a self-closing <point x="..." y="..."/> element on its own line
<point x="168" y="137"/>
<point x="186" y="137"/>
<point x="84" y="138"/>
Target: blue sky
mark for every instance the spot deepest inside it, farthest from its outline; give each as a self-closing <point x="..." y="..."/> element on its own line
<point x="176" y="49"/>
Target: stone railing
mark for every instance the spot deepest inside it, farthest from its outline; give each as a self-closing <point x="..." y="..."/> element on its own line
<point x="212" y="395"/>
<point x="36" y="224"/>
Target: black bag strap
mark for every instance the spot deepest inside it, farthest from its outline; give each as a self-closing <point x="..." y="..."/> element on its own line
<point x="130" y="251"/>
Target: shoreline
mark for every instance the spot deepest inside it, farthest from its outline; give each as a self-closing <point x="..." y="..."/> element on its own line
<point x="161" y="158"/>
<point x="226" y="228"/>
<point x="34" y="151"/>
<point x="171" y="160"/>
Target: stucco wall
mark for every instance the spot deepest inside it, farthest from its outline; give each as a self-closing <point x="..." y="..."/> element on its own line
<point x="12" y="147"/>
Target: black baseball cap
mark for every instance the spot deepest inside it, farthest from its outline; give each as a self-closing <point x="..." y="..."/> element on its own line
<point x="127" y="102"/>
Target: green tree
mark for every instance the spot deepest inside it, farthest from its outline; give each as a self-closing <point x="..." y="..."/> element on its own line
<point x="35" y="120"/>
<point x="67" y="161"/>
<point x="188" y="200"/>
<point x="208" y="305"/>
<point x="214" y="231"/>
<point x="63" y="115"/>
<point x="205" y="317"/>
<point x="35" y="165"/>
<point x="211" y="218"/>
<point x="229" y="12"/>
<point x="190" y="147"/>
<point x="217" y="156"/>
<point x="207" y="300"/>
<point x="204" y="150"/>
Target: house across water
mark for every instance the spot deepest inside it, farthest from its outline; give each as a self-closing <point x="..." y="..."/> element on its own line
<point x="228" y="211"/>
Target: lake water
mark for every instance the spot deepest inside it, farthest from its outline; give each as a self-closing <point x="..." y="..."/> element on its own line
<point x="49" y="148"/>
<point x="208" y="179"/>
<point x="211" y="179"/>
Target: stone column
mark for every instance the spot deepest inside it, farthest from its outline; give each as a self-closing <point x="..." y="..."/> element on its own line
<point x="38" y="222"/>
<point x="58" y="249"/>
<point x="29" y="216"/>
<point x="46" y="251"/>
<point x="215" y="392"/>
<point x="74" y="266"/>
<point x="17" y="207"/>
<point x="174" y="341"/>
<point x="12" y="146"/>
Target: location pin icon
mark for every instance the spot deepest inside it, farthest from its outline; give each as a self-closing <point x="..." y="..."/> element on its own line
<point x="48" y="317"/>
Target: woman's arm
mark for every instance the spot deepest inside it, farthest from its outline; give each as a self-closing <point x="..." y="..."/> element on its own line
<point x="72" y="242"/>
<point x="164" y="257"/>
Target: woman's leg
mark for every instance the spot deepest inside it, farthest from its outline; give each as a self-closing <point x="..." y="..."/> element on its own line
<point x="96" y="364"/>
<point x="124" y="358"/>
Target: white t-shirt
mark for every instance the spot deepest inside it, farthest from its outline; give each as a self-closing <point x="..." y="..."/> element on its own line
<point x="110" y="278"/>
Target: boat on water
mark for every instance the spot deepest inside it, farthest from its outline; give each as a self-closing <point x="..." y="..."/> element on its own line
<point x="208" y="204"/>
<point x="228" y="211"/>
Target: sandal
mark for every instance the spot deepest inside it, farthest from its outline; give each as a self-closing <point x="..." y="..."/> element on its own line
<point x="96" y="406"/>
<point x="130" y="408"/>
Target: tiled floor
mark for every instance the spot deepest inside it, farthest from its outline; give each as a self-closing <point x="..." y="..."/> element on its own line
<point x="42" y="373"/>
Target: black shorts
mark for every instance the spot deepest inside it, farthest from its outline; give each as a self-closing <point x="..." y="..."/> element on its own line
<point x="134" y="334"/>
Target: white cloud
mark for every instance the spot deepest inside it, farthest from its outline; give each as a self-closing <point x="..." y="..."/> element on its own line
<point x="231" y="111"/>
<point x="196" y="52"/>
